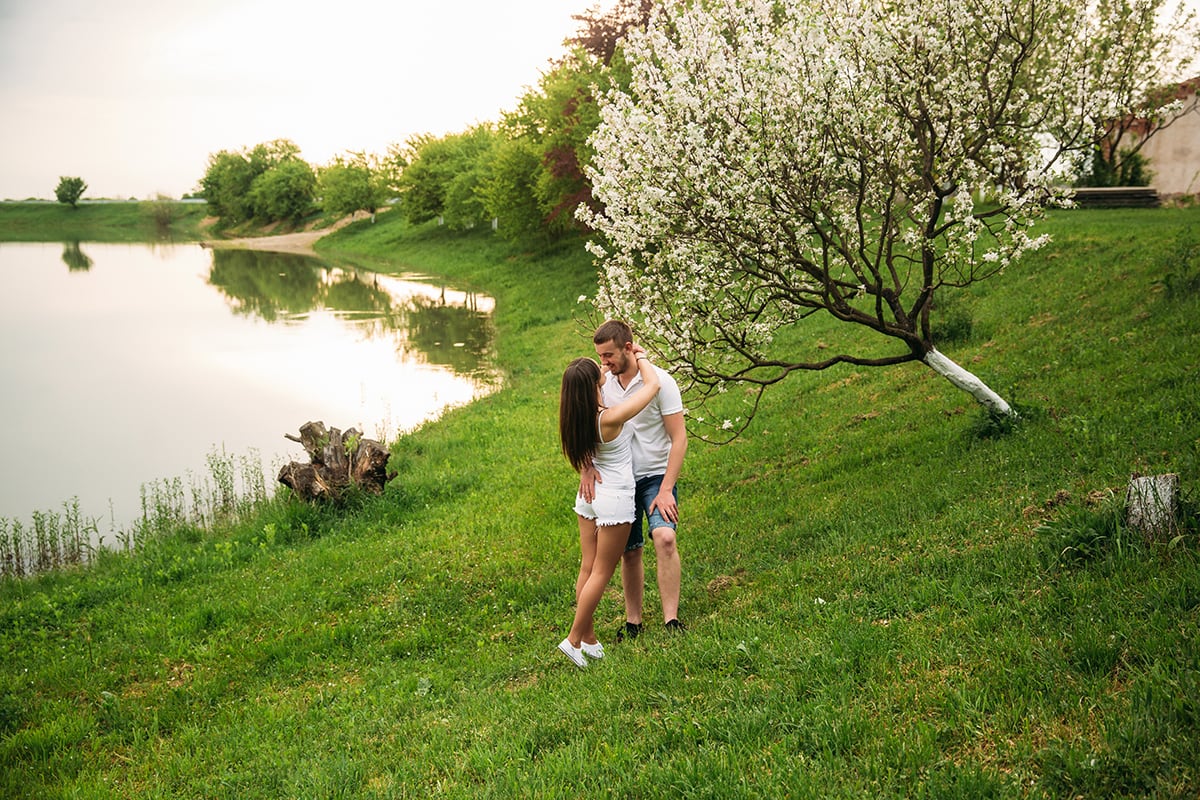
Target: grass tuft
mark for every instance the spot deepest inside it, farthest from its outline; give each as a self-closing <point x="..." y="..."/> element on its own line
<point x="1181" y="267"/>
<point x="1090" y="533"/>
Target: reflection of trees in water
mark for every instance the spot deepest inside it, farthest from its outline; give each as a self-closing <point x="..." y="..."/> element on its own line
<point x="349" y="293"/>
<point x="274" y="285"/>
<point x="458" y="337"/>
<point x="281" y="285"/>
<point x="75" y="259"/>
<point x="266" y="284"/>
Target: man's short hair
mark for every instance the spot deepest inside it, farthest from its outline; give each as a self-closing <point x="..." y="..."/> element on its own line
<point x="613" y="331"/>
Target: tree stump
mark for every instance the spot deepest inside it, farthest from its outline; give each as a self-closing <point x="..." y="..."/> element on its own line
<point x="336" y="460"/>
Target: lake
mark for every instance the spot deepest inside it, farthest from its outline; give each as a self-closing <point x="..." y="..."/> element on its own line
<point x="124" y="365"/>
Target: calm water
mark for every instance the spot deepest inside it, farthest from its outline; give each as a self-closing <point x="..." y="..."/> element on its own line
<point x="123" y="365"/>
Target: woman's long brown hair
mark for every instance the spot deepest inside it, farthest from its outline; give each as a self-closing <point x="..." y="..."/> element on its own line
<point x="578" y="406"/>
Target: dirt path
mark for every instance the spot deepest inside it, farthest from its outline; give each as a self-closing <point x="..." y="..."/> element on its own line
<point x="300" y="242"/>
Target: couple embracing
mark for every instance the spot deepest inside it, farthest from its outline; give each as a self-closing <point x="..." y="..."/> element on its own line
<point x="622" y="429"/>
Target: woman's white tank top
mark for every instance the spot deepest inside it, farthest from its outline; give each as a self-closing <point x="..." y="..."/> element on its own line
<point x="614" y="459"/>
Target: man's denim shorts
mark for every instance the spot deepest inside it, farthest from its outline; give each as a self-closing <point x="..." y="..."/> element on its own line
<point x="647" y="490"/>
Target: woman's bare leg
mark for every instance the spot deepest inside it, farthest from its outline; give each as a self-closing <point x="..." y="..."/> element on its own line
<point x="610" y="543"/>
<point x="587" y="552"/>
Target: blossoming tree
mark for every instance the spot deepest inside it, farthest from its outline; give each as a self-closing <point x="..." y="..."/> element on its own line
<point x="775" y="159"/>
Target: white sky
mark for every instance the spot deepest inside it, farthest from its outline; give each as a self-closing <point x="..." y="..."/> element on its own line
<point x="133" y="95"/>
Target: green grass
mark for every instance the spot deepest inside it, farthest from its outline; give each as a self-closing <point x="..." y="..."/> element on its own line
<point x="883" y="600"/>
<point x="101" y="222"/>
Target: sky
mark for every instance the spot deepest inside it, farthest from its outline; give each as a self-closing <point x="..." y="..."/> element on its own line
<point x="133" y="96"/>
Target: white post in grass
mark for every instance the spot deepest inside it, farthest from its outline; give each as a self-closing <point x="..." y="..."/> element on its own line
<point x="1152" y="505"/>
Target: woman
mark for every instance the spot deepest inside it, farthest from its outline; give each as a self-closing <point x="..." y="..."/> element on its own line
<point x="593" y="434"/>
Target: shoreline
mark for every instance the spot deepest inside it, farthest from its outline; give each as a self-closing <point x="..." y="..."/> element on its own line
<point x="299" y="243"/>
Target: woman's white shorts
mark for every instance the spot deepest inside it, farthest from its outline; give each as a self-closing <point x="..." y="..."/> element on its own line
<point x="610" y="506"/>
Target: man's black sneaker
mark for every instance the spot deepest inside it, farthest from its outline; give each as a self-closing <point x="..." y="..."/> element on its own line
<point x="675" y="626"/>
<point x="630" y="631"/>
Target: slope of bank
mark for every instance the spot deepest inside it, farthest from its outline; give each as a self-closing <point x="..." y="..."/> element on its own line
<point x="884" y="598"/>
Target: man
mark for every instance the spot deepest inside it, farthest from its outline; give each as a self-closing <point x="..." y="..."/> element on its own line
<point x="659" y="444"/>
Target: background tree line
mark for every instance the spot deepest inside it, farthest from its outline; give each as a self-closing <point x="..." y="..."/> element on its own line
<point x="525" y="171"/>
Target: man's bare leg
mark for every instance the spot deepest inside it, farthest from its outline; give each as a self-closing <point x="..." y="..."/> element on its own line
<point x="669" y="572"/>
<point x="633" y="584"/>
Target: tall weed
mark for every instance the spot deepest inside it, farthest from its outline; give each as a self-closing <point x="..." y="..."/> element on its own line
<point x="1181" y="266"/>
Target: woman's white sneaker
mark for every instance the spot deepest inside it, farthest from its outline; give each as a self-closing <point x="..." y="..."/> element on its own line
<point x="595" y="651"/>
<point x="573" y="653"/>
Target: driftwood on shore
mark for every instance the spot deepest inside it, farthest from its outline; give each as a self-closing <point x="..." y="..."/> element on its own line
<point x="336" y="461"/>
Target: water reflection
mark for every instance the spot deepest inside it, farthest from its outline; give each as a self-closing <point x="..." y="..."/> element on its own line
<point x="453" y="336"/>
<point x="131" y="361"/>
<point x="74" y="257"/>
<point x="438" y="325"/>
<point x="265" y="284"/>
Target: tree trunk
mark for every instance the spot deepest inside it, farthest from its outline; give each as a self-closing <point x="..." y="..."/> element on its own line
<point x="966" y="381"/>
<point x="337" y="460"/>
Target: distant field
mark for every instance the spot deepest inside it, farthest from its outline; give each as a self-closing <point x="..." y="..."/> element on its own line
<point x="101" y="221"/>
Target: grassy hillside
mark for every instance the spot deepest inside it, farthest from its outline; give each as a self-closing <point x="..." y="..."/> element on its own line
<point x="884" y="600"/>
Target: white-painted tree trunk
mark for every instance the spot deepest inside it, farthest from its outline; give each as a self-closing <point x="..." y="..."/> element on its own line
<point x="968" y="383"/>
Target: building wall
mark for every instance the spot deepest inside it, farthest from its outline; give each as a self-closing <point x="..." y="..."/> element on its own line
<point x="1174" y="152"/>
